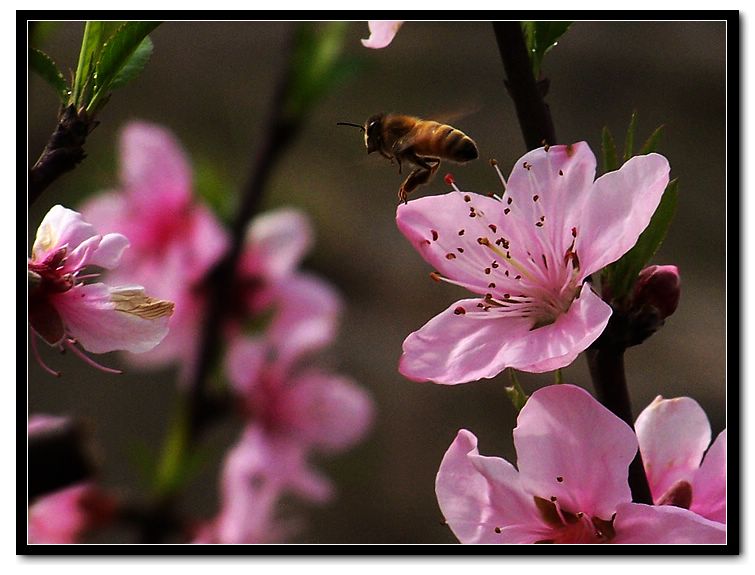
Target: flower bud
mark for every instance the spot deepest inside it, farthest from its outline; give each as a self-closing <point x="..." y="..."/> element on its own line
<point x="657" y="286"/>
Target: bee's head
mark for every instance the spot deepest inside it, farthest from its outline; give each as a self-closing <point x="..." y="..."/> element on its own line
<point x="373" y="132"/>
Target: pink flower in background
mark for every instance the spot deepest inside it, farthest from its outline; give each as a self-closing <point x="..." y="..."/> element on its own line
<point x="171" y="234"/>
<point x="381" y="33"/>
<point x="569" y="486"/>
<point x="527" y="256"/>
<point x="64" y="309"/>
<point x="257" y="472"/>
<point x="174" y="239"/>
<point x="63" y="516"/>
<point x="673" y="435"/>
<point x="311" y="406"/>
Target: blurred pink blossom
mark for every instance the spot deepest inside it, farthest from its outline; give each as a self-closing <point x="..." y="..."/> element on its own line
<point x="63" y="516"/>
<point x="258" y="471"/>
<point x="381" y="33"/>
<point x="569" y="485"/>
<point x="527" y="255"/>
<point x="175" y="240"/>
<point x="65" y="307"/>
<point x="673" y="435"/>
<point x="288" y="398"/>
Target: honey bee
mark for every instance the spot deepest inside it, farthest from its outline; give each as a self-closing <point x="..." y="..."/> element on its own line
<point x="423" y="143"/>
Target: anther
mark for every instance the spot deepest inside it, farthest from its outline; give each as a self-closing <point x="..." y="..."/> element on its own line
<point x="461" y="232"/>
<point x="467" y="198"/>
<point x="560" y="172"/>
<point x="435" y="276"/>
<point x="435" y="235"/>
<point x="526" y="165"/>
<point x="450" y="256"/>
<point x="449" y="179"/>
<point x="560" y="479"/>
<point x="483" y="241"/>
<point x="460" y="311"/>
<point x="493" y="227"/>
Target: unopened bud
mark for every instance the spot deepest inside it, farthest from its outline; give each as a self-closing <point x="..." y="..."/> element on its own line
<point x="657" y="286"/>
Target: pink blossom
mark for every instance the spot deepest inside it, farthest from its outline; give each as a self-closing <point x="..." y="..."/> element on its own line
<point x="527" y="256"/>
<point x="571" y="485"/>
<point x="64" y="309"/>
<point x="63" y="516"/>
<point x="257" y="472"/>
<point x="381" y="33"/>
<point x="174" y="239"/>
<point x="673" y="435"/>
<point x="288" y="398"/>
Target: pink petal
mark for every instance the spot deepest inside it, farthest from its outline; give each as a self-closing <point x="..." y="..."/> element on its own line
<point x="673" y="435"/>
<point x="456" y="348"/>
<point x="381" y="33"/>
<point x="276" y="242"/>
<point x="42" y="423"/>
<point x="619" y="209"/>
<point x="476" y="494"/>
<point x="60" y="227"/>
<point x="59" y="517"/>
<point x="109" y="251"/>
<point x="709" y="483"/>
<point x="648" y="524"/>
<point x="205" y="242"/>
<point x="569" y="446"/>
<point x="91" y="318"/>
<point x="244" y="363"/>
<point x="561" y="178"/>
<point x="557" y="345"/>
<point x="330" y="411"/>
<point x="307" y="316"/>
<point x="439" y="226"/>
<point x="154" y="168"/>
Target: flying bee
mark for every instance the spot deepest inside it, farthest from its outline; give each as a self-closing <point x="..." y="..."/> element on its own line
<point x="423" y="143"/>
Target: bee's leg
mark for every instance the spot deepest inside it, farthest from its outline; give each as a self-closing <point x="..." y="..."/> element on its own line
<point x="418" y="177"/>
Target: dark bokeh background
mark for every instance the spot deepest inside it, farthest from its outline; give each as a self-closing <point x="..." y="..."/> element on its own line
<point x="211" y="84"/>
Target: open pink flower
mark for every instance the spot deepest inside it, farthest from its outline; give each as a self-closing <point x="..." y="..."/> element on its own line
<point x="381" y="33"/>
<point x="673" y="435"/>
<point x="64" y="309"/>
<point x="571" y="485"/>
<point x="526" y="256"/>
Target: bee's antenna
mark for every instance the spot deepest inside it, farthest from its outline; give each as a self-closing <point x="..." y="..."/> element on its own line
<point x="350" y="124"/>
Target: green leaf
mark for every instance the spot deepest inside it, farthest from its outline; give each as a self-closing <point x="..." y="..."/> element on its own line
<point x="515" y="392"/>
<point x="609" y="151"/>
<point x="134" y="65"/>
<point x="629" y="141"/>
<point x="91" y="44"/>
<point x="43" y="65"/>
<point x="623" y="273"/>
<point x="541" y="38"/>
<point x="317" y="64"/>
<point x="115" y="55"/>
<point x="651" y="144"/>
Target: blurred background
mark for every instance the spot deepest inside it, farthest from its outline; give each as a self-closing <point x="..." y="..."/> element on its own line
<point x="211" y="84"/>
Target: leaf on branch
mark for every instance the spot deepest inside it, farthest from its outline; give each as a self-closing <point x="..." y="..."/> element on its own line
<point x="608" y="147"/>
<point x="651" y="144"/>
<point x="43" y="65"/>
<point x="541" y="38"/>
<point x="120" y="59"/>
<point x="624" y="272"/>
<point x="134" y="65"/>
<point x="629" y="140"/>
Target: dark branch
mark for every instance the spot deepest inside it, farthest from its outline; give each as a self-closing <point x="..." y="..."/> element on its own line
<point x="531" y="110"/>
<point x="63" y="152"/>
<point x="280" y="132"/>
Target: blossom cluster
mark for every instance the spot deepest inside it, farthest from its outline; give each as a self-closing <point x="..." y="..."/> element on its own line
<point x="527" y="255"/>
<point x="281" y="318"/>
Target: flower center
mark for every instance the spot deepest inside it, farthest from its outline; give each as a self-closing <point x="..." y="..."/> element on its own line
<point x="568" y="527"/>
